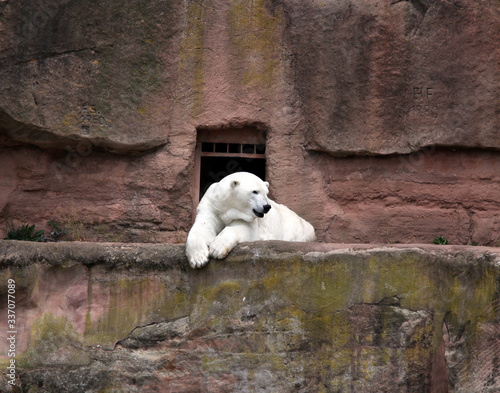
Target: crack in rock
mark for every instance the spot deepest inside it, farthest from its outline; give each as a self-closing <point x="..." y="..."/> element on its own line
<point x="421" y="6"/>
<point x="149" y="335"/>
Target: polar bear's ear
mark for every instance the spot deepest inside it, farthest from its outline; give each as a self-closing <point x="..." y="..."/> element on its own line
<point x="266" y="184"/>
<point x="235" y="183"/>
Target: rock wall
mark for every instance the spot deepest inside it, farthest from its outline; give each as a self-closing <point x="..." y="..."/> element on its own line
<point x="381" y="116"/>
<point x="272" y="317"/>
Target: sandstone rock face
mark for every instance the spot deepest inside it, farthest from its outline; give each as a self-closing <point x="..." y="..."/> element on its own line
<point x="101" y="73"/>
<point x="381" y="116"/>
<point x="274" y="316"/>
<point x="384" y="77"/>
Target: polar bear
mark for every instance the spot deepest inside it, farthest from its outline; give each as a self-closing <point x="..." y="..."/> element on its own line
<point x="237" y="210"/>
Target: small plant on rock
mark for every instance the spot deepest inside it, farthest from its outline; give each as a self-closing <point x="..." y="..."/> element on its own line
<point x="25" y="232"/>
<point x="441" y="240"/>
<point x="57" y="230"/>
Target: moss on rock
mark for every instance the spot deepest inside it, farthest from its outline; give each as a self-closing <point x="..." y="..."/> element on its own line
<point x="297" y="316"/>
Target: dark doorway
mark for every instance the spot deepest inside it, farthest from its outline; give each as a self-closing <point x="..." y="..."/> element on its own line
<point x="214" y="169"/>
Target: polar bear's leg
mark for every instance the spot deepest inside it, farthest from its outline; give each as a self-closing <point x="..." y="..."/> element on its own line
<point x="197" y="249"/>
<point x="200" y="236"/>
<point x="235" y="233"/>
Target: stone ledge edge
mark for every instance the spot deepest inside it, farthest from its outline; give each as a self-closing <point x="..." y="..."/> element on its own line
<point x="153" y="256"/>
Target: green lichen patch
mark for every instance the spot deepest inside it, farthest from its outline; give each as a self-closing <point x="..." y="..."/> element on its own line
<point x="132" y="302"/>
<point x="26" y="279"/>
<point x="384" y="313"/>
<point x="254" y="34"/>
<point x="220" y="299"/>
<point x="191" y="54"/>
<point x="53" y="341"/>
<point x="369" y="320"/>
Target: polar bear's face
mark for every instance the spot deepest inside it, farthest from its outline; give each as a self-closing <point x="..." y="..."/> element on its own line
<point x="245" y="196"/>
<point x="252" y="198"/>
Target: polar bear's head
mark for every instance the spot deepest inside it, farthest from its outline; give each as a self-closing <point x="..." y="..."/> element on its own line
<point x="243" y="196"/>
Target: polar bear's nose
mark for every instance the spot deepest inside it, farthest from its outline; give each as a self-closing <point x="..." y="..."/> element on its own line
<point x="266" y="208"/>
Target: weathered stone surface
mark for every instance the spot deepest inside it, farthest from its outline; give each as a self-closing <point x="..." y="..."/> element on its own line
<point x="96" y="197"/>
<point x="273" y="316"/>
<point x="102" y="73"/>
<point x="325" y="79"/>
<point x="373" y="76"/>
<point x="383" y="77"/>
<point x="405" y="199"/>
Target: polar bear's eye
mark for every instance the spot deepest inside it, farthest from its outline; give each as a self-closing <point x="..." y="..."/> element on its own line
<point x="255" y="192"/>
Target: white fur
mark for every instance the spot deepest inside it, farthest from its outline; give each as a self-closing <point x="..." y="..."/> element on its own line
<point x="227" y="215"/>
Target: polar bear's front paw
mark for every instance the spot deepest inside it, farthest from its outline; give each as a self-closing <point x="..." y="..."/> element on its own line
<point x="219" y="248"/>
<point x="199" y="258"/>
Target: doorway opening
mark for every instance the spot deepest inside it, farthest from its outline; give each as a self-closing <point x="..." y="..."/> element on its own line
<point x="222" y="152"/>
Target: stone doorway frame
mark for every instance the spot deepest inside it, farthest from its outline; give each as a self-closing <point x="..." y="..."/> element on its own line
<point x="237" y="147"/>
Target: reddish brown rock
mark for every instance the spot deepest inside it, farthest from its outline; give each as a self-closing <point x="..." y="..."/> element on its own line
<point x="381" y="117"/>
<point x="384" y="77"/>
<point x="71" y="72"/>
<point x="412" y="198"/>
<point x="273" y="316"/>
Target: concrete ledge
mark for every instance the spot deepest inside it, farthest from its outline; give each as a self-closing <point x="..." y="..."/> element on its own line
<point x="273" y="316"/>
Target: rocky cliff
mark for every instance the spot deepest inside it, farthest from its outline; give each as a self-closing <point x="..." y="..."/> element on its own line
<point x="381" y="116"/>
<point x="272" y="317"/>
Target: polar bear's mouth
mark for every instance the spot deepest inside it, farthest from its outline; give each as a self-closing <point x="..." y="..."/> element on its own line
<point x="258" y="214"/>
<point x="265" y="209"/>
